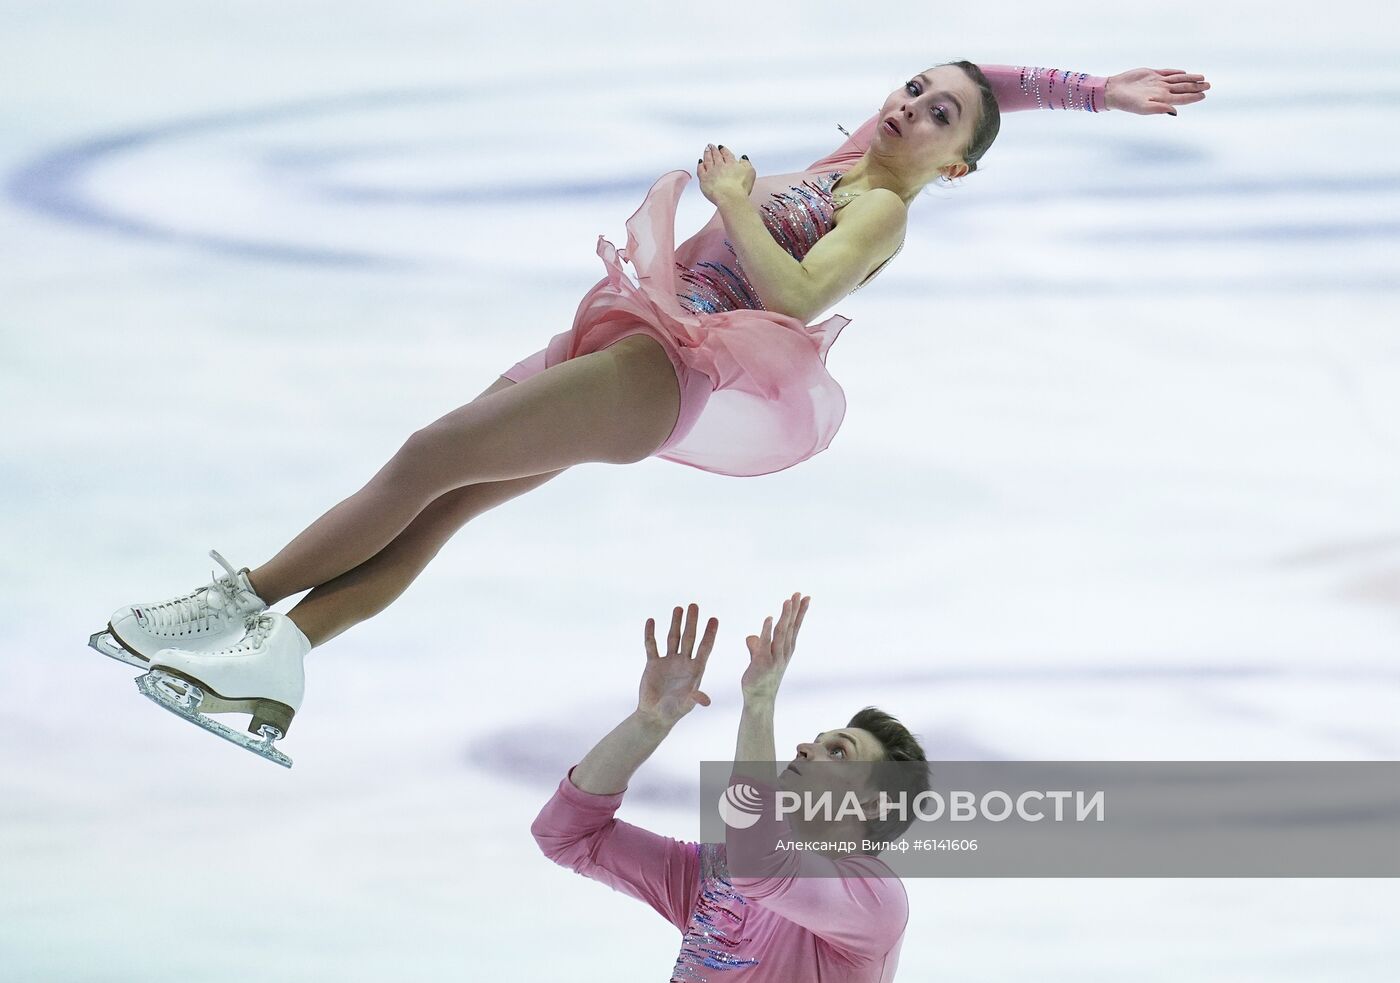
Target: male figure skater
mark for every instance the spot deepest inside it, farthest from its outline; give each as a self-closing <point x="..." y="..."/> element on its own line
<point x="844" y="927"/>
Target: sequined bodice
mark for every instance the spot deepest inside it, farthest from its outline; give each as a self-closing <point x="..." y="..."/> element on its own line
<point x="796" y="218"/>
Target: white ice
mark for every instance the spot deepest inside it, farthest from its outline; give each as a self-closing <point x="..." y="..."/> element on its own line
<point x="1118" y="479"/>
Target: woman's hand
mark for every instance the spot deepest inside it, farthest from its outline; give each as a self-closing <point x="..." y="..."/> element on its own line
<point x="723" y="175"/>
<point x="1148" y="91"/>
<point x="670" y="682"/>
<point x="771" y="651"/>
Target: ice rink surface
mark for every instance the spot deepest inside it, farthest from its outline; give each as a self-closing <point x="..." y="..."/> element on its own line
<point x="1118" y="478"/>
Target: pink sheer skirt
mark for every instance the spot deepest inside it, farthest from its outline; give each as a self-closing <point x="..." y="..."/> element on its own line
<point x="755" y="394"/>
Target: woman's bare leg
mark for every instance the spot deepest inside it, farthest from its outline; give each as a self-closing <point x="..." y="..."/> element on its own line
<point x="359" y="594"/>
<point x="616" y="406"/>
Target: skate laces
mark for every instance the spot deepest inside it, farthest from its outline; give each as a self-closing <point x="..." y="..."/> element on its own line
<point x="230" y="586"/>
<point x="194" y="609"/>
<point x="258" y="626"/>
<point x="182" y="612"/>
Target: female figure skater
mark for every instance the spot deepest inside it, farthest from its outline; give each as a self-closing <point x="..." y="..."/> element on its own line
<point x="708" y="360"/>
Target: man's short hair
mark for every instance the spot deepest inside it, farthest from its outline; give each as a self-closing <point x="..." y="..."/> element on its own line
<point x="891" y="774"/>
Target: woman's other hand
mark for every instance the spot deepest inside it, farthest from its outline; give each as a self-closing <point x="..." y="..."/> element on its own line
<point x="1149" y="91"/>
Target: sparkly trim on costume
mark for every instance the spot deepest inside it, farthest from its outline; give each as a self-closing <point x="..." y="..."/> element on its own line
<point x="796" y="218"/>
<point x="707" y="943"/>
<point x="716" y="287"/>
<point x="801" y="215"/>
<point x="1073" y="93"/>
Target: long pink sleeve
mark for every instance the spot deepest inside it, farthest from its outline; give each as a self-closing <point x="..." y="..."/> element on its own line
<point x="576" y="829"/>
<point x="1017" y="88"/>
<point x="788" y="929"/>
<point x="855" y="904"/>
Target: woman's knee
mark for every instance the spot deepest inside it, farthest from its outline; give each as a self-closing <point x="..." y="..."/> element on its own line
<point x="454" y="509"/>
<point x="419" y="458"/>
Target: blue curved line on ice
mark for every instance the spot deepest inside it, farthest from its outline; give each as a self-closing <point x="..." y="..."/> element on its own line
<point x="52" y="184"/>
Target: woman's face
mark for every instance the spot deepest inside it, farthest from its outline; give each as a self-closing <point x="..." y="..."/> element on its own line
<point x="934" y="113"/>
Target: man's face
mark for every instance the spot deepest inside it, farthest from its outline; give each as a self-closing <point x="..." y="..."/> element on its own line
<point x="837" y="761"/>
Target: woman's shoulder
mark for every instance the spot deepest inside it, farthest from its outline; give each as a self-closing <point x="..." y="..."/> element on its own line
<point x="879" y="205"/>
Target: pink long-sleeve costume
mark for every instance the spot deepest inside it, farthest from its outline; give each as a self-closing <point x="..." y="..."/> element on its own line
<point x="755" y="394"/>
<point x="773" y="929"/>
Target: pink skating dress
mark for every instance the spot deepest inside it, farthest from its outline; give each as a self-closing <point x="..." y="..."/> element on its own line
<point x="755" y="393"/>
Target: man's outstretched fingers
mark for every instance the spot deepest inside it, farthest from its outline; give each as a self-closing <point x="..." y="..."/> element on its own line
<point x="649" y="639"/>
<point x="707" y="643"/>
<point x="673" y="637"/>
<point x="692" y="614"/>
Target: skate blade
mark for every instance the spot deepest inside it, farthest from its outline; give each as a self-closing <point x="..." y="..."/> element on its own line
<point x="183" y="698"/>
<point x="106" y="643"/>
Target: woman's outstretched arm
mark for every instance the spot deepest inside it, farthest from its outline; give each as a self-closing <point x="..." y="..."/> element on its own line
<point x="1142" y="91"/>
<point x="1145" y="91"/>
<point x="1021" y="87"/>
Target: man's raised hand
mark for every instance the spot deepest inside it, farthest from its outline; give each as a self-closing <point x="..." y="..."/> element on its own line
<point x="671" y="683"/>
<point x="771" y="650"/>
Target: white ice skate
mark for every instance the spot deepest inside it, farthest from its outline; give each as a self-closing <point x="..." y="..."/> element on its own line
<point x="209" y="617"/>
<point x="263" y="674"/>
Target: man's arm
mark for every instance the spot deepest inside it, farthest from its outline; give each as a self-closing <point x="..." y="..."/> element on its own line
<point x="770" y="651"/>
<point x="853" y="903"/>
<point x="606" y="769"/>
<point x="576" y="828"/>
<point x="669" y="690"/>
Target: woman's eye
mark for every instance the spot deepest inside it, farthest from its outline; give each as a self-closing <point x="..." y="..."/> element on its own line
<point x="912" y="85"/>
<point x="941" y="114"/>
<point x="839" y="750"/>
